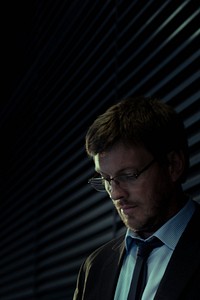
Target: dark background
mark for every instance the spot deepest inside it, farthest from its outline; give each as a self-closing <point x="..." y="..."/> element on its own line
<point x="63" y="63"/>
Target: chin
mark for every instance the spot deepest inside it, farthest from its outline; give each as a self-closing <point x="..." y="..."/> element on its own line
<point x="137" y="227"/>
<point x="132" y="225"/>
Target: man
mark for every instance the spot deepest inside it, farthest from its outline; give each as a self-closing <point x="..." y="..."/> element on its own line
<point x="140" y="152"/>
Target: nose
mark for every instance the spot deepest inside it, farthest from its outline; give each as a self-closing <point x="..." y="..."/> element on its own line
<point x="115" y="191"/>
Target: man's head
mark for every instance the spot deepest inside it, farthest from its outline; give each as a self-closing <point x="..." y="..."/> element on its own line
<point x="140" y="152"/>
<point x="145" y="122"/>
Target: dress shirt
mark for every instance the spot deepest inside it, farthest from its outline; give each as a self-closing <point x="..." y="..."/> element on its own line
<point x="158" y="259"/>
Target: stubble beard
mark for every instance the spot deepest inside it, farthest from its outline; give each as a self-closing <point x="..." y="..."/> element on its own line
<point x="153" y="218"/>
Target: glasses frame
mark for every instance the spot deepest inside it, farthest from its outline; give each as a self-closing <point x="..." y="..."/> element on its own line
<point x="97" y="181"/>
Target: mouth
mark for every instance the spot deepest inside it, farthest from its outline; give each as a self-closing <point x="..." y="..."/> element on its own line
<point x="128" y="209"/>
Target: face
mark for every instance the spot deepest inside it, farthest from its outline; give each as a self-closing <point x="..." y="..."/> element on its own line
<point x="149" y="201"/>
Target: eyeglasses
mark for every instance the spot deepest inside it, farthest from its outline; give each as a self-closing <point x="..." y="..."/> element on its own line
<point x="103" y="184"/>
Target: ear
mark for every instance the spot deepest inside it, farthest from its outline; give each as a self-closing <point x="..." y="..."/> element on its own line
<point x="176" y="165"/>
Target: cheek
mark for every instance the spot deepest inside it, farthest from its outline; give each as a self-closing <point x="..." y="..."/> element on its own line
<point x="159" y="195"/>
<point x="154" y="193"/>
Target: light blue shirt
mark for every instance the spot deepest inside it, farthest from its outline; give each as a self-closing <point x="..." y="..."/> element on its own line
<point x="169" y="234"/>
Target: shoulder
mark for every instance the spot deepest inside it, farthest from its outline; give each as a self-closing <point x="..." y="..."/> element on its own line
<point x="191" y="232"/>
<point x="112" y="248"/>
<point x="196" y="215"/>
<point x="194" y="222"/>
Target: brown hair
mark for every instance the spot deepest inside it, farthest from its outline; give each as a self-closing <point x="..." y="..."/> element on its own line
<point x="140" y="121"/>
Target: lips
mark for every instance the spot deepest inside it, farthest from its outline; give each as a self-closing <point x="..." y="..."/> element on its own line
<point x="128" y="209"/>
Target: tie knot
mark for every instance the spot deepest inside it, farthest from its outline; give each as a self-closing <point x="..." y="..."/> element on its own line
<point x="144" y="248"/>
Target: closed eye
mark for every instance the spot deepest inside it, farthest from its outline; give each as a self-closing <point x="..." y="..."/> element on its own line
<point x="121" y="177"/>
<point x="127" y="177"/>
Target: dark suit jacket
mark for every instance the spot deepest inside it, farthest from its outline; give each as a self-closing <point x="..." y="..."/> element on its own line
<point x="99" y="274"/>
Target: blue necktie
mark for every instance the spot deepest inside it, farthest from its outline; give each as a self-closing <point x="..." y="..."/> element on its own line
<point x="140" y="271"/>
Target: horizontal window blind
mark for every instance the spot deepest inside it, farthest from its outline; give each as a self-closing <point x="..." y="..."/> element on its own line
<point x="80" y="57"/>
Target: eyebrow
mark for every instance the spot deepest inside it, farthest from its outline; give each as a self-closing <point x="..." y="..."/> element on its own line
<point x="123" y="170"/>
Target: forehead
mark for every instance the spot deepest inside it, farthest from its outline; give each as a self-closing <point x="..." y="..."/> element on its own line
<point x="120" y="157"/>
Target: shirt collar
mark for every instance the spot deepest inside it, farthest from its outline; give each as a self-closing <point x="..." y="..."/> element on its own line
<point x="171" y="231"/>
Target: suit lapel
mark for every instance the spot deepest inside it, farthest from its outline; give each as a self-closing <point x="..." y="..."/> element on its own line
<point x="183" y="263"/>
<point x="110" y="271"/>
